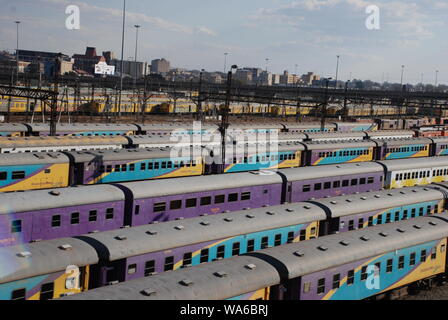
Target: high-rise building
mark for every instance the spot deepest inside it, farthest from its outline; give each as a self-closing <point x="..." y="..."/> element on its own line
<point x="160" y="66"/>
<point x="131" y="68"/>
<point x="87" y="61"/>
<point x="310" y="77"/>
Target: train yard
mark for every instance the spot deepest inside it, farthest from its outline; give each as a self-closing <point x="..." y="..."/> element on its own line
<point x="157" y="211"/>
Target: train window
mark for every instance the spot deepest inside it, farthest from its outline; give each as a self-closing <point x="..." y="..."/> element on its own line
<point x="150" y="166"/>
<point x="377" y="268"/>
<point x="47" y="291"/>
<point x="306" y="188"/>
<point x="307" y="287"/>
<point x="205" y="201"/>
<point x="265" y="191"/>
<point x="321" y="286"/>
<point x="156" y="165"/>
<point x="163" y="165"/>
<point x="397" y="216"/>
<point x="143" y="166"/>
<point x="132" y="167"/>
<point x="336" y="281"/>
<point x="16" y="226"/>
<point x="220" y="252"/>
<point x="278" y="240"/>
<point x="132" y="268"/>
<point x="102" y="169"/>
<point x="220" y="199"/>
<point x="327" y="185"/>
<point x="364" y="273"/>
<point x="405" y="214"/>
<point x="428" y="210"/>
<point x="362" y="181"/>
<point x="175" y="205"/>
<point x="390" y="265"/>
<point x="3" y="176"/>
<point x="137" y="210"/>
<point x="245" y="196"/>
<point x="401" y="262"/>
<point x="336" y="184"/>
<point x="370" y="180"/>
<point x="413" y="213"/>
<point x="170" y="165"/>
<point x="56" y="221"/>
<point x="191" y="203"/>
<point x="233" y="197"/>
<point x="93" y="215"/>
<point x="47" y="171"/>
<point x="264" y="242"/>
<point x="345" y="183"/>
<point x="421" y="212"/>
<point x="351" y="225"/>
<point x="204" y="255"/>
<point x="370" y="221"/>
<point x="291" y="237"/>
<point x="16" y="175"/>
<point x="74" y="219"/>
<point x="150" y="267"/>
<point x="159" y="207"/>
<point x="169" y="264"/>
<point x="318" y="186"/>
<point x="350" y="277"/>
<point x="188" y="257"/>
<point x="117" y="168"/>
<point x="434" y="254"/>
<point x="423" y="256"/>
<point x="361" y="223"/>
<point x="412" y="259"/>
<point x="388" y="217"/>
<point x="354" y="182"/>
<point x="109" y="213"/>
<point x="109" y="169"/>
<point x="380" y="219"/>
<point x="236" y="249"/>
<point x="19" y="294"/>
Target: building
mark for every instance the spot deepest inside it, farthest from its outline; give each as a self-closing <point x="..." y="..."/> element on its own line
<point x="245" y="76"/>
<point x="287" y="79"/>
<point x="87" y="61"/>
<point x="310" y="77"/>
<point x="160" y="66"/>
<point x="265" y="78"/>
<point x="40" y="56"/>
<point x="275" y="79"/>
<point x="131" y="68"/>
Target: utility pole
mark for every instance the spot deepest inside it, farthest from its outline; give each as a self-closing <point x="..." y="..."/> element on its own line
<point x="401" y="82"/>
<point x="324" y="106"/>
<point x="54" y="102"/>
<point x="199" y="113"/>
<point x="135" y="60"/>
<point x="122" y="53"/>
<point x="435" y="85"/>
<point x="344" y="112"/>
<point x="225" y="119"/>
<point x="17" y="53"/>
<point x="225" y="61"/>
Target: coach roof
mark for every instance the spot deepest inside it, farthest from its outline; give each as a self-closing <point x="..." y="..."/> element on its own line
<point x="377" y="200"/>
<point x="330" y="145"/>
<point x="21" y="142"/>
<point x="34" y="200"/>
<point x="17" y="159"/>
<point x="46" y="257"/>
<point x="157" y="188"/>
<point x="13" y="127"/>
<point x="306" y="173"/>
<point x="415" y="163"/>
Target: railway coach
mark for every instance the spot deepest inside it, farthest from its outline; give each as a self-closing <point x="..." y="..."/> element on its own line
<point x="138" y="252"/>
<point x="84" y="129"/>
<point x="58" y="144"/>
<point x="335" y="267"/>
<point x="13" y="130"/>
<point x="33" y="171"/>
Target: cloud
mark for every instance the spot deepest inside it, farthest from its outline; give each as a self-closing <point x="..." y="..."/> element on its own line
<point x="205" y="30"/>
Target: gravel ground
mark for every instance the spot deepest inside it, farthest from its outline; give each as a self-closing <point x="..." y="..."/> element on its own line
<point x="436" y="293"/>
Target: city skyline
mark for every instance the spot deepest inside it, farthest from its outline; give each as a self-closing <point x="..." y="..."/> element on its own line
<point x="195" y="35"/>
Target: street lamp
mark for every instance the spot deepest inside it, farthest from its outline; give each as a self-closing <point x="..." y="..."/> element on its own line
<point x="267" y="62"/>
<point x="337" y="71"/>
<point x="225" y="61"/>
<point x="17" y="52"/>
<point x="136" y="46"/>
<point x="437" y="75"/>
<point x="402" y="72"/>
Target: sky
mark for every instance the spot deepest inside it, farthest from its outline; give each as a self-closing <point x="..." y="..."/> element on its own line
<point x="302" y="35"/>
